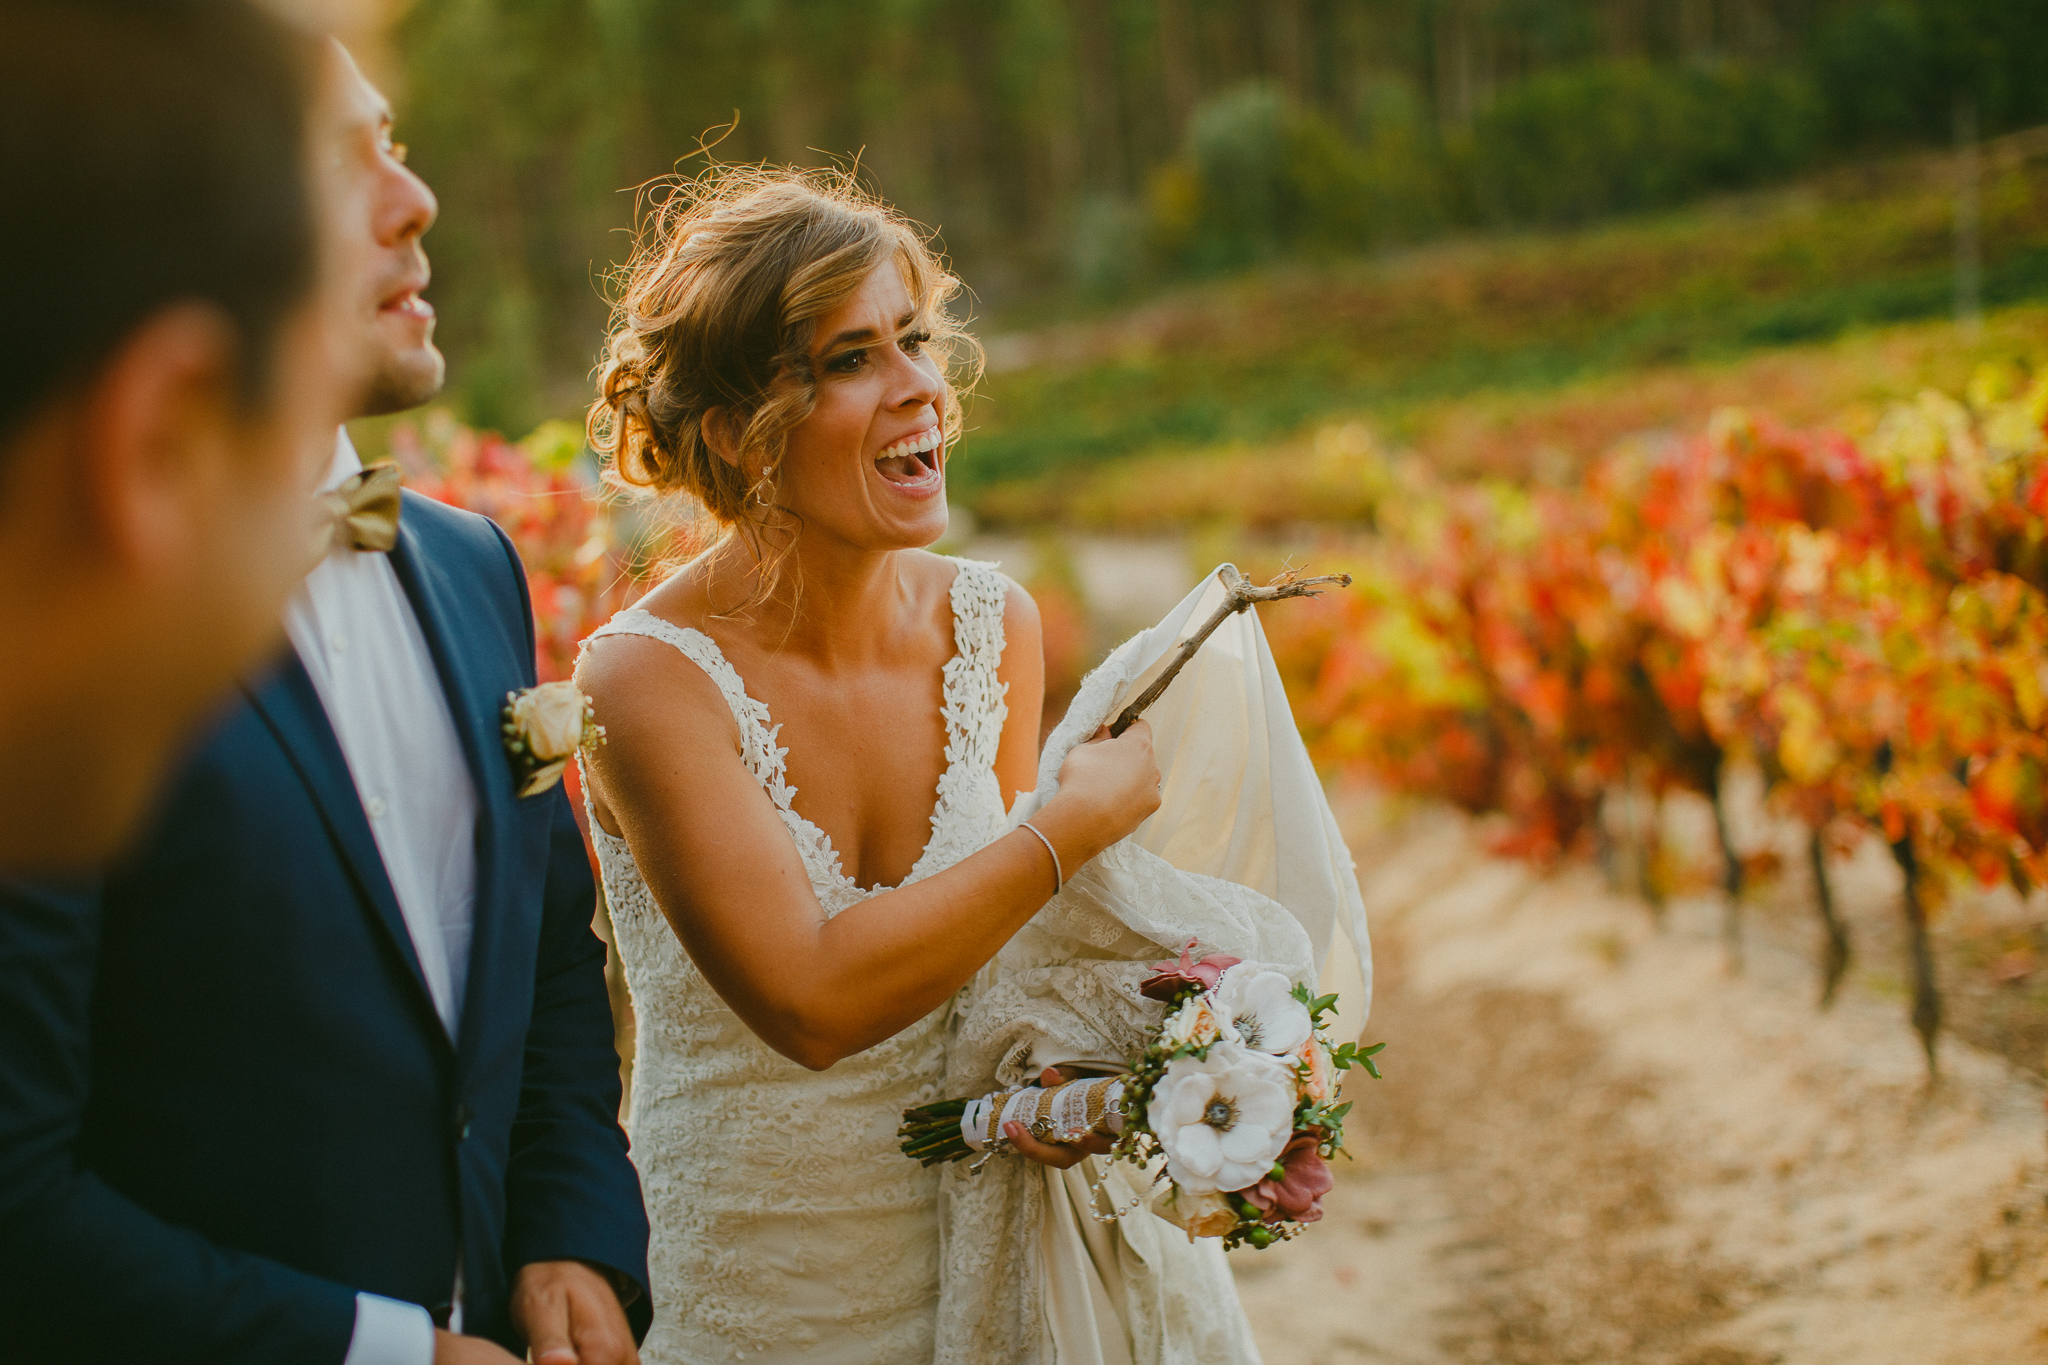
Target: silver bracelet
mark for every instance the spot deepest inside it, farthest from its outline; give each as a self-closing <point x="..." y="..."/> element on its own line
<point x="1058" y="878"/>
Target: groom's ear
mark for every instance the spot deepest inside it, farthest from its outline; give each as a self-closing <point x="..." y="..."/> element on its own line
<point x="106" y="473"/>
<point x="164" y="408"/>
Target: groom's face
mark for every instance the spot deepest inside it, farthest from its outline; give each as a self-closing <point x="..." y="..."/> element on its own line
<point x="383" y="210"/>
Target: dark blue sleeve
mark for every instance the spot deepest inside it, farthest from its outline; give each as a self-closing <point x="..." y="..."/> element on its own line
<point x="571" y="1191"/>
<point x="86" y="1274"/>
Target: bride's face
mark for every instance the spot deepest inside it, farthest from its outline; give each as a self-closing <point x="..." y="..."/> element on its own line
<point x="868" y="466"/>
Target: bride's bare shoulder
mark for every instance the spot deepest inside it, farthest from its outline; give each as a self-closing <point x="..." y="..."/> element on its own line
<point x="645" y="679"/>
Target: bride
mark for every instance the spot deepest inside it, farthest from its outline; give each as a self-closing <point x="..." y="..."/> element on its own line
<point x="816" y="731"/>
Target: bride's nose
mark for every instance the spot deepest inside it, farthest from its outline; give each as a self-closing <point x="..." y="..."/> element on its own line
<point x="913" y="382"/>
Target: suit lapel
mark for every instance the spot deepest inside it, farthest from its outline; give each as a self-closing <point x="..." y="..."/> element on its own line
<point x="475" y="702"/>
<point x="290" y="706"/>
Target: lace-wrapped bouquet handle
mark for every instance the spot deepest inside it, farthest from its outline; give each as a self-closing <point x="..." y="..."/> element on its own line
<point x="1232" y="1104"/>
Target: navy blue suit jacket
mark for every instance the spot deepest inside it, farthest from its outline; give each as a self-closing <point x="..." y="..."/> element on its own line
<point x="226" y="1101"/>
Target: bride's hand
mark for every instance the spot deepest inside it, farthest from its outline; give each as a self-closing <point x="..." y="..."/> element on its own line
<point x="1107" y="788"/>
<point x="1058" y="1155"/>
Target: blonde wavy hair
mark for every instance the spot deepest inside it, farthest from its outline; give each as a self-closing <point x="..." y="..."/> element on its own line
<point x="717" y="310"/>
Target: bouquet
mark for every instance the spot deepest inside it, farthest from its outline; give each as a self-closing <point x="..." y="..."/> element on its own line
<point x="1232" y="1104"/>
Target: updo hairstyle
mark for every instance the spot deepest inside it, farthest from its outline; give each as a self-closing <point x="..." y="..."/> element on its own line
<point x="718" y="308"/>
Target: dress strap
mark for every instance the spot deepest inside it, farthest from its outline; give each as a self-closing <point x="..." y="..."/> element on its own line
<point x="764" y="759"/>
<point x="974" y="707"/>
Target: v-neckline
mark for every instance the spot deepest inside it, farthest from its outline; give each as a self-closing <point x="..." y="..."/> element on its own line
<point x="784" y="795"/>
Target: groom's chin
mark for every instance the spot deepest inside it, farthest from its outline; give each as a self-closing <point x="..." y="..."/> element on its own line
<point x="404" y="381"/>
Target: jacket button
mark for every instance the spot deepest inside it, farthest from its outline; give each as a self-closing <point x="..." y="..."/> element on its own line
<point x="463" y="1115"/>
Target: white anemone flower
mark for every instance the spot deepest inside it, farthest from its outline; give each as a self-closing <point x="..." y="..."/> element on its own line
<point x="1259" y="1004"/>
<point x="1224" y="1120"/>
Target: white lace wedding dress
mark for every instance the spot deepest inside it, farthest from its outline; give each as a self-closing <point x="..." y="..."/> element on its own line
<point x="786" y="1224"/>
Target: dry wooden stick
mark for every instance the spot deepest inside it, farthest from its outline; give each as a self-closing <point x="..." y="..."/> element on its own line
<point x="1238" y="595"/>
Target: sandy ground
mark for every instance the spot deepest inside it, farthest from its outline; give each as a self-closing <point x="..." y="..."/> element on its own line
<point x="1594" y="1145"/>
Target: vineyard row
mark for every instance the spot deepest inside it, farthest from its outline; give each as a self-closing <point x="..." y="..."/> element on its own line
<point x="1864" y="622"/>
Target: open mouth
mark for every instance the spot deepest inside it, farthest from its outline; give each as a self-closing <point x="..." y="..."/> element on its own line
<point x="407" y="303"/>
<point x="915" y="464"/>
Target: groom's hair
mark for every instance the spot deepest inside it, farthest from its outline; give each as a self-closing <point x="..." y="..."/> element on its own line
<point x="152" y="152"/>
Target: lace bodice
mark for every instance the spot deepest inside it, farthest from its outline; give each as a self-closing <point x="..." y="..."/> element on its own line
<point x="786" y="1225"/>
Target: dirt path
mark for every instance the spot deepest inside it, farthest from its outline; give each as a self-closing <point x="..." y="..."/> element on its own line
<point x="1593" y="1146"/>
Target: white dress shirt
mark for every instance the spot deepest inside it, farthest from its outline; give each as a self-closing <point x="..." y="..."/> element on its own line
<point x="357" y="635"/>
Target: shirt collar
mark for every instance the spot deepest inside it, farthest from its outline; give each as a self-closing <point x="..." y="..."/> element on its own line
<point x="346" y="461"/>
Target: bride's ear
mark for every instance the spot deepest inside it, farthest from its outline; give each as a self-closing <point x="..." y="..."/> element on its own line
<point x="721" y="434"/>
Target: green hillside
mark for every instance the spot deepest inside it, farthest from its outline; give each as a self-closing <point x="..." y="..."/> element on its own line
<point x="1253" y="360"/>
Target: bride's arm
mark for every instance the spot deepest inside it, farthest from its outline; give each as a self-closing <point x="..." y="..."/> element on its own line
<point x="720" y="863"/>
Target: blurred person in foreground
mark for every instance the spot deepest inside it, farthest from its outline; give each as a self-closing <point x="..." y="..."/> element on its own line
<point x="165" y="379"/>
<point x="323" y="1071"/>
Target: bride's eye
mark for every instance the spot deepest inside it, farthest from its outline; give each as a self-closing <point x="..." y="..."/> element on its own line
<point x="914" y="343"/>
<point x="847" y="362"/>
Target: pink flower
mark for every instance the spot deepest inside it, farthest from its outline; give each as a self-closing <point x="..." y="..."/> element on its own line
<point x="1312" y="1065"/>
<point x="1175" y="977"/>
<point x="1298" y="1194"/>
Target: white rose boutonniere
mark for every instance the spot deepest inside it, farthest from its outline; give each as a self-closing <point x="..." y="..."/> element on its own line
<point x="544" y="727"/>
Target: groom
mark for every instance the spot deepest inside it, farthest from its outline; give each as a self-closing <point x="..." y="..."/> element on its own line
<point x="324" y="1072"/>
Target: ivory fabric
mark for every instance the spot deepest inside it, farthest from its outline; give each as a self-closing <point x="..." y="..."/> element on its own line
<point x="1083" y="1263"/>
<point x="787" y="1226"/>
<point x="1243" y="856"/>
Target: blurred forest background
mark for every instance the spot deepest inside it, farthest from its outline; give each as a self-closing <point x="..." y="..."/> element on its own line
<point x="1078" y="154"/>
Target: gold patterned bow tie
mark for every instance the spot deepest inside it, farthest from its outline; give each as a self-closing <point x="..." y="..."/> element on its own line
<point x="361" y="512"/>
